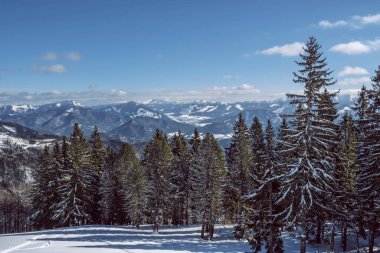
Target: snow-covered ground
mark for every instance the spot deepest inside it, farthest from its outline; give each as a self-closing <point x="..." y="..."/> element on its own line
<point x="121" y="239"/>
<point x="97" y="239"/>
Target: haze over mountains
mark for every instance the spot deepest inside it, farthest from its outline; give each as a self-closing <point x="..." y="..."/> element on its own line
<point x="136" y="122"/>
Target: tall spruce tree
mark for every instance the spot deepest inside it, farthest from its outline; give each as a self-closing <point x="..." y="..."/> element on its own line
<point x="97" y="151"/>
<point x="107" y="188"/>
<point x="196" y="176"/>
<point x="238" y="159"/>
<point x="180" y="180"/>
<point x="211" y="162"/>
<point x="369" y="156"/>
<point x="257" y="150"/>
<point x="308" y="179"/>
<point x="76" y="187"/>
<point x="346" y="174"/>
<point x="135" y="189"/>
<point x="40" y="194"/>
<point x="157" y="162"/>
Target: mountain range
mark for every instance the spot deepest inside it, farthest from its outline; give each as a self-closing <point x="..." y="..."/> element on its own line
<point x="136" y="122"/>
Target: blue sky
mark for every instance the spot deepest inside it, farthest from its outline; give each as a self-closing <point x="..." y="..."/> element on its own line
<point x="114" y="51"/>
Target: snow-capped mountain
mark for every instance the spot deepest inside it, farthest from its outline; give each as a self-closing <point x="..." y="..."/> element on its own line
<point x="136" y="122"/>
<point x="23" y="137"/>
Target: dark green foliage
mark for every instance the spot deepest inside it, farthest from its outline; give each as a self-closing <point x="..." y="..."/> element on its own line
<point x="211" y="165"/>
<point x="238" y="159"/>
<point x="180" y="181"/>
<point x="157" y="162"/>
<point x="308" y="178"/>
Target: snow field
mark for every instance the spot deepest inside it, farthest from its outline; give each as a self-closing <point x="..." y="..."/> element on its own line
<point x="122" y="239"/>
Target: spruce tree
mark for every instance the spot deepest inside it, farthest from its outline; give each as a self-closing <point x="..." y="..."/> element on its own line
<point x="40" y="194"/>
<point x="180" y="180"/>
<point x="107" y="188"/>
<point x="308" y="180"/>
<point x="369" y="157"/>
<point x="157" y="162"/>
<point x="238" y="159"/>
<point x="346" y="174"/>
<point x="76" y="187"/>
<point x="135" y="189"/>
<point x="211" y="162"/>
<point x="97" y="157"/>
<point x="196" y="176"/>
<point x="257" y="150"/>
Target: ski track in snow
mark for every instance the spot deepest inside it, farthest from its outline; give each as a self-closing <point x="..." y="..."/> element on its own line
<point x="94" y="239"/>
<point x="170" y="239"/>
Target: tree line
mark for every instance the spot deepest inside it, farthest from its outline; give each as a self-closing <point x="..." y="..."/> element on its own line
<point x="319" y="173"/>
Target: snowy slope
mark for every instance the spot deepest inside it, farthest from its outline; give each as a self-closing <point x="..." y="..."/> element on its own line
<point x="185" y="239"/>
<point x="96" y="239"/>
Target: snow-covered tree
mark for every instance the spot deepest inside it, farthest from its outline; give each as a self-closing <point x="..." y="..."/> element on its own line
<point x="76" y="187"/>
<point x="196" y="176"/>
<point x="97" y="156"/>
<point x="346" y="174"/>
<point x="238" y="159"/>
<point x="308" y="179"/>
<point x="107" y="188"/>
<point x="180" y="180"/>
<point x="157" y="162"/>
<point x="211" y="162"/>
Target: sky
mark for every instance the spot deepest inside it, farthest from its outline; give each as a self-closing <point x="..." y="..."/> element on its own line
<point x="111" y="51"/>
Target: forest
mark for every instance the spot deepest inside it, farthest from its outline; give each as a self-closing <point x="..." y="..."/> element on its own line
<point x="317" y="175"/>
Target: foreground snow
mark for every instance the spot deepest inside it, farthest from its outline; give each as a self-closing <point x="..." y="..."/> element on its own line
<point x="121" y="239"/>
<point x="184" y="239"/>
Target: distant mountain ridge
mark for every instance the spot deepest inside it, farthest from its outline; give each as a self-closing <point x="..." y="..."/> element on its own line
<point x="136" y="122"/>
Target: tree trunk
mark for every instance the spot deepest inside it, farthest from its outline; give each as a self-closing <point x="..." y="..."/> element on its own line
<point x="372" y="235"/>
<point x="270" y="246"/>
<point x="319" y="231"/>
<point x="333" y="239"/>
<point x="357" y="242"/>
<point x="344" y="236"/>
<point x="303" y="235"/>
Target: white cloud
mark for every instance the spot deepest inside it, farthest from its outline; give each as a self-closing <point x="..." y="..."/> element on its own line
<point x="369" y="19"/>
<point x="354" y="22"/>
<point x="348" y="70"/>
<point x="354" y="47"/>
<point x="327" y="24"/>
<point x="56" y="69"/>
<point x="234" y="89"/>
<point x="87" y="97"/>
<point x="73" y="56"/>
<point x="285" y="50"/>
<point x="50" y="57"/>
<point x="354" y="81"/>
<point x="357" y="47"/>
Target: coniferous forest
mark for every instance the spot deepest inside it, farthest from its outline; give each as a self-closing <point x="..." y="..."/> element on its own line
<point x="316" y="175"/>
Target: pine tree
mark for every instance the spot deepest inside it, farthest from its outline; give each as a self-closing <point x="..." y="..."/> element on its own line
<point x="106" y="188"/>
<point x="97" y="151"/>
<point x="180" y="180"/>
<point x="258" y="150"/>
<point x="40" y="195"/>
<point x="369" y="156"/>
<point x="238" y="159"/>
<point x="211" y="198"/>
<point x="196" y="176"/>
<point x="346" y="173"/>
<point x="135" y="189"/>
<point x="75" y="188"/>
<point x="264" y="226"/>
<point x="157" y="162"/>
<point x="308" y="179"/>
